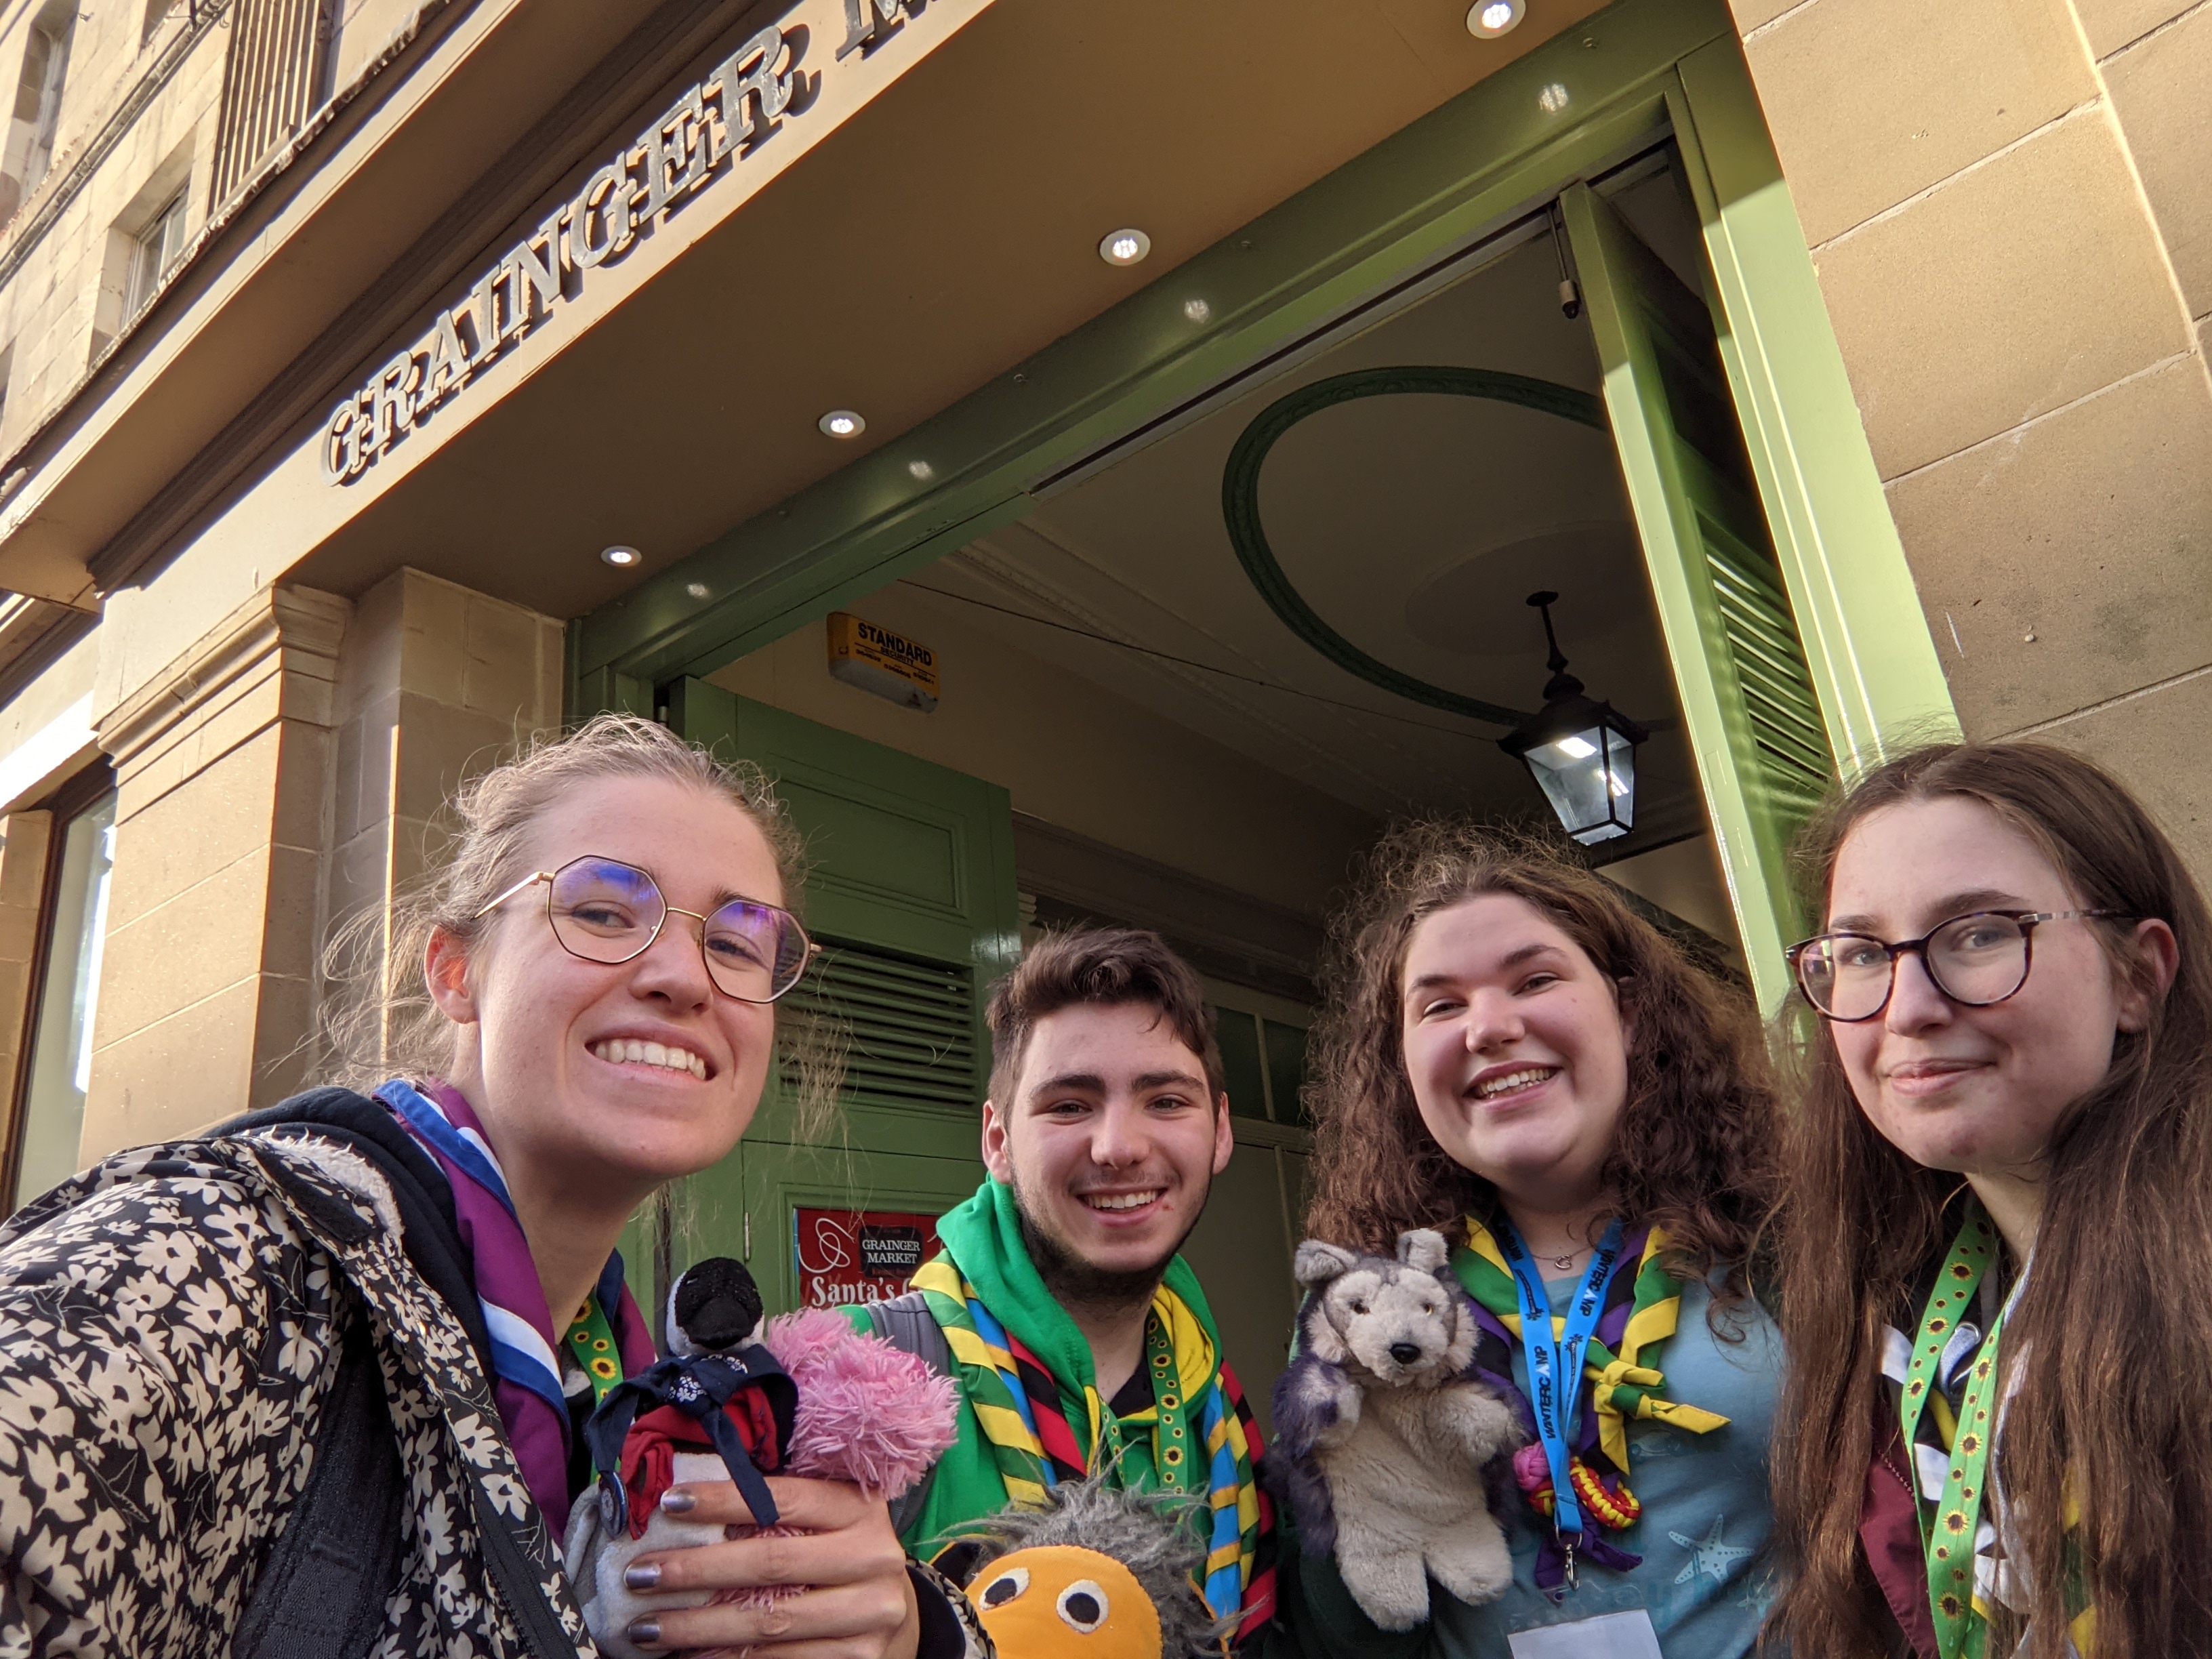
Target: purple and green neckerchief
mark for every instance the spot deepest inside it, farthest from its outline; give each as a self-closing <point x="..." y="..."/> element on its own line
<point x="1555" y="1364"/>
<point x="525" y="1354"/>
<point x="1641" y="1301"/>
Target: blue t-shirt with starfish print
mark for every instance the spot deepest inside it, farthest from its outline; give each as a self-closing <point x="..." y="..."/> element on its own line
<point x="1705" y="1580"/>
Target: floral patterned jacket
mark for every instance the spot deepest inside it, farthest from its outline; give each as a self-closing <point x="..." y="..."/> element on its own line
<point x="170" y="1325"/>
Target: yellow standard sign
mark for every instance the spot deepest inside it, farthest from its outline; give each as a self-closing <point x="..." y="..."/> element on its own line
<point x="876" y="660"/>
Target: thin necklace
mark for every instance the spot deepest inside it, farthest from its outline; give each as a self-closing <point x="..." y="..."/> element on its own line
<point x="1564" y="1263"/>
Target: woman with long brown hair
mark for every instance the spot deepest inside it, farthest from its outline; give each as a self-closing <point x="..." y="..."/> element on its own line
<point x="1999" y="1203"/>
<point x="1511" y="1055"/>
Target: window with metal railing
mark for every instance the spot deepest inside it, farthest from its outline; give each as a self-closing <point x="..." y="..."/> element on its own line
<point x="269" y="82"/>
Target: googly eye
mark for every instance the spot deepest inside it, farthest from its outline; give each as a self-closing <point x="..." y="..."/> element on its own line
<point x="1006" y="1587"/>
<point x="1082" y="1607"/>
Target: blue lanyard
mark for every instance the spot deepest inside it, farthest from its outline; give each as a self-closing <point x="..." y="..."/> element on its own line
<point x="1555" y="1362"/>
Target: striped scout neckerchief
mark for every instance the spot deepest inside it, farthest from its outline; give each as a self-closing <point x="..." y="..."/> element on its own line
<point x="527" y="1383"/>
<point x="1641" y="1312"/>
<point x="1643" y="1304"/>
<point x="1021" y="1409"/>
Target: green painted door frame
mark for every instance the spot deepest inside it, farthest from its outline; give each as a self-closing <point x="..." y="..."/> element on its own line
<point x="1739" y="671"/>
<point x="1627" y="78"/>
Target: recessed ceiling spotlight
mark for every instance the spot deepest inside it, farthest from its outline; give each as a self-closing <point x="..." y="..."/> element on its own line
<point x="1124" y="247"/>
<point x="921" y="470"/>
<point x="842" y="423"/>
<point x="622" y="557"/>
<point x="697" y="590"/>
<point x="1553" y="99"/>
<point x="1197" y="310"/>
<point x="1488" y="18"/>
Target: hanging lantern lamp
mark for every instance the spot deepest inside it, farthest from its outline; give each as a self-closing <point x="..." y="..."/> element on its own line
<point x="1581" y="752"/>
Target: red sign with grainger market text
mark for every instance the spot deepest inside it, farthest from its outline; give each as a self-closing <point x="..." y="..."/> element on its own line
<point x="847" y="1256"/>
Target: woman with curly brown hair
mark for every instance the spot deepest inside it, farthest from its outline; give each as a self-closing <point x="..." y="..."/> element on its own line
<point x="1510" y="1054"/>
<point x="1997" y="1435"/>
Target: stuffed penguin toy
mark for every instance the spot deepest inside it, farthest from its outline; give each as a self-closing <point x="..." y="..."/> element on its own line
<point x="805" y="1395"/>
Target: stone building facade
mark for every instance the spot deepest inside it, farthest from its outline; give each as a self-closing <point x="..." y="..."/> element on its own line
<point x="329" y="376"/>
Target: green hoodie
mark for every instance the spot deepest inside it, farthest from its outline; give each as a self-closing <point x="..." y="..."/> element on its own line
<point x="983" y="1239"/>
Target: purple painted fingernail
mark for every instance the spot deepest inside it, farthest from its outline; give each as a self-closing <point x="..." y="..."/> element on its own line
<point x="645" y="1632"/>
<point x="644" y="1575"/>
<point x="677" y="1501"/>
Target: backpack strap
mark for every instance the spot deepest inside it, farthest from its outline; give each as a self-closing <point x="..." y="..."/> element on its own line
<point x="521" y="1561"/>
<point x="907" y="1324"/>
<point x="323" y="1586"/>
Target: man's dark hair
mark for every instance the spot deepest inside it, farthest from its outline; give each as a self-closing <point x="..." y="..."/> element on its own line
<point x="1101" y="967"/>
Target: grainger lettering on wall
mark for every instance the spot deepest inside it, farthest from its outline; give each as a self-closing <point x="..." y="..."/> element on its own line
<point x="704" y="134"/>
<point x="867" y="22"/>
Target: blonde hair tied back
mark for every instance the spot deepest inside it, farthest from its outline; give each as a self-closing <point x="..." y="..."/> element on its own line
<point x="379" y="1020"/>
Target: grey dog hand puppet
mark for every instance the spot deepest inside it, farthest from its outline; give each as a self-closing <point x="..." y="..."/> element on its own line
<point x="1388" y="1439"/>
<point x="814" y="1399"/>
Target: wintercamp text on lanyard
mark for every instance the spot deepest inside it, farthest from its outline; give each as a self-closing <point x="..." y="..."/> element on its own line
<point x="1555" y="1367"/>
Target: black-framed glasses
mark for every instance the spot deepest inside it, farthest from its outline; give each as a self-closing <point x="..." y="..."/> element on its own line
<point x="1976" y="960"/>
<point x="606" y="911"/>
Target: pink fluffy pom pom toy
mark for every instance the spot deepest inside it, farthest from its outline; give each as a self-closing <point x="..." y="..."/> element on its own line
<point x="866" y="1413"/>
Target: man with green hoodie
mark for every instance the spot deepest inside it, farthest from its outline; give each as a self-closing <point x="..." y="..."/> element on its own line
<point x="1078" y="1337"/>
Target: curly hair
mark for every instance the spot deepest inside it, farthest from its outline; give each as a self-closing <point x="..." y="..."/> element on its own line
<point x="1697" y="1149"/>
<point x="2107" y="1356"/>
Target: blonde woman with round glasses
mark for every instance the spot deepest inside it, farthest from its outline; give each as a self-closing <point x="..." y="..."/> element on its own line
<point x="313" y="1382"/>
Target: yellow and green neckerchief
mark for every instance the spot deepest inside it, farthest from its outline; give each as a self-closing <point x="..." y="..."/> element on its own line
<point x="1025" y="1371"/>
<point x="1624" y="1383"/>
<point x="1642" y="1304"/>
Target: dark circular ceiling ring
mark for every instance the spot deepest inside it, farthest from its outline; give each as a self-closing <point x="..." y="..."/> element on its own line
<point x="1240" y="503"/>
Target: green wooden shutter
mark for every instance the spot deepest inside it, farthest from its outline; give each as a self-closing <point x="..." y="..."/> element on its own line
<point x="1754" y="718"/>
<point x="910" y="891"/>
<point x="910" y="1025"/>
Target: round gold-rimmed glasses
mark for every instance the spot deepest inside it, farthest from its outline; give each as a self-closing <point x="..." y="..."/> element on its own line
<point x="1976" y="960"/>
<point x="606" y="911"/>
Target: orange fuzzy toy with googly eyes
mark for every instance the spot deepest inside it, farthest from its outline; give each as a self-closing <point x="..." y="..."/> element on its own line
<point x="1097" y="1574"/>
<point x="1060" y="1599"/>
